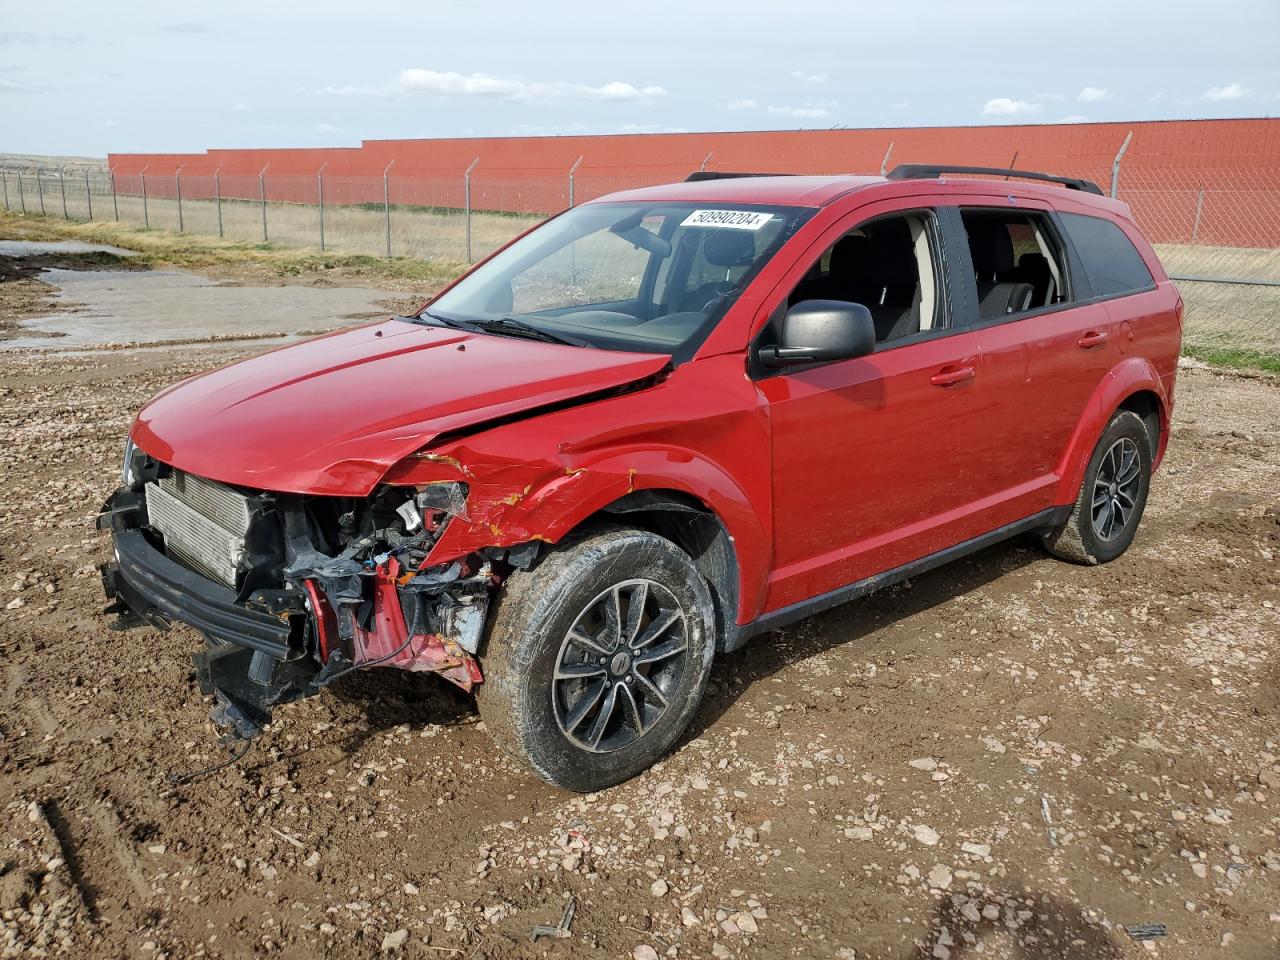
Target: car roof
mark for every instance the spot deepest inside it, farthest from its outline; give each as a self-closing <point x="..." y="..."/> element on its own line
<point x="818" y="191"/>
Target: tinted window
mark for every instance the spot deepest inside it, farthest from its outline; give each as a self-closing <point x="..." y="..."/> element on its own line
<point x="1110" y="260"/>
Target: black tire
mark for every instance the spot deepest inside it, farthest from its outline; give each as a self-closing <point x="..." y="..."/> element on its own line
<point x="1109" y="483"/>
<point x="537" y="676"/>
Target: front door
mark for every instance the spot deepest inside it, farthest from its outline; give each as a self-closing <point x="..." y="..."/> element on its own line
<point x="877" y="461"/>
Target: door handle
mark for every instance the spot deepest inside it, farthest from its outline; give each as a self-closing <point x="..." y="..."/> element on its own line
<point x="950" y="376"/>
<point x="1093" y="338"/>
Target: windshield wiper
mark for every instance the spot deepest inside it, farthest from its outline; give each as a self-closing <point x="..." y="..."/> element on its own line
<point x="515" y="327"/>
<point x="427" y="315"/>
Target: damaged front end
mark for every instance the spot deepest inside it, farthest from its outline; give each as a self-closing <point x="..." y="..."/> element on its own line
<point x="294" y="591"/>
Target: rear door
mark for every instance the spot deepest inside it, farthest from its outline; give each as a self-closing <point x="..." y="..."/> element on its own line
<point x="1044" y="353"/>
<point x="877" y="461"/>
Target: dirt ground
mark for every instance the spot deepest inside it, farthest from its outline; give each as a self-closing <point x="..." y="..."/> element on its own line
<point x="1009" y="757"/>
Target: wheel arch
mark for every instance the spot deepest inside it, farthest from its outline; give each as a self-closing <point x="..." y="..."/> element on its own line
<point x="1132" y="385"/>
<point x="697" y="530"/>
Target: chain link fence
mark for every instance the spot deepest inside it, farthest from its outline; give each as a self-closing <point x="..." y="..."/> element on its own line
<point x="1217" y="231"/>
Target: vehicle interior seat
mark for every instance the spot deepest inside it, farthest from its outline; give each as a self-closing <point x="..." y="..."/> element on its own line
<point x="1033" y="268"/>
<point x="888" y="280"/>
<point x="842" y="270"/>
<point x="991" y="248"/>
<point x="729" y="249"/>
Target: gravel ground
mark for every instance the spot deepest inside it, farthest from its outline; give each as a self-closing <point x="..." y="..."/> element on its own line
<point x="1008" y="757"/>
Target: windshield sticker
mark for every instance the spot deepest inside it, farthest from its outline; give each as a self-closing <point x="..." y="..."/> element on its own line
<point x="733" y="219"/>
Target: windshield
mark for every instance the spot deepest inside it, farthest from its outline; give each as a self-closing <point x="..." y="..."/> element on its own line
<point x="648" y="277"/>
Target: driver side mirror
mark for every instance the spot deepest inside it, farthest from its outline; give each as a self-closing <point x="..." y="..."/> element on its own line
<point x="818" y="331"/>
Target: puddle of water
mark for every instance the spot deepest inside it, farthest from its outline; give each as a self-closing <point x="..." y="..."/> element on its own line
<point x="35" y="248"/>
<point x="120" y="306"/>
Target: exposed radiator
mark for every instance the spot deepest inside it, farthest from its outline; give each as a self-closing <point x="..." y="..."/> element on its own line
<point x="204" y="524"/>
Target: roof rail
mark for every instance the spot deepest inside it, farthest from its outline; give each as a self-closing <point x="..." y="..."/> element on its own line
<point x="725" y="175"/>
<point x="931" y="171"/>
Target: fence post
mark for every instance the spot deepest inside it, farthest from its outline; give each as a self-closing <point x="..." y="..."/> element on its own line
<point x="1115" y="165"/>
<point x="88" y="197"/>
<point x="386" y="204"/>
<point x="177" y="192"/>
<point x="115" y="204"/>
<point x="146" y="216"/>
<point x="22" y="197"/>
<point x="262" y="195"/>
<point x="1195" y="227"/>
<point x="5" y="179"/>
<point x="884" y="164"/>
<point x="466" y="190"/>
<point x="40" y="190"/>
<point x="320" y="198"/>
<point x="62" y="185"/>
<point x="573" y="170"/>
<point x="217" y="195"/>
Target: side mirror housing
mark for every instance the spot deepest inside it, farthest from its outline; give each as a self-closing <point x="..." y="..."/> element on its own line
<point x="819" y="331"/>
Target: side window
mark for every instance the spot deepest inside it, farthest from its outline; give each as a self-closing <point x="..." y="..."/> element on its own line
<point x="890" y="266"/>
<point x="1110" y="260"/>
<point x="1017" y="263"/>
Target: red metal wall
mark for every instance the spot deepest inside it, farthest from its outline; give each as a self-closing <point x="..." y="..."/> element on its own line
<point x="530" y="174"/>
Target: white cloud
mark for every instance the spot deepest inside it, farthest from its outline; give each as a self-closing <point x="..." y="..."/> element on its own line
<point x="809" y="77"/>
<point x="1156" y="97"/>
<point x="12" y="86"/>
<point x="900" y="105"/>
<point x="327" y="128"/>
<point x="1093" y="95"/>
<point x="1232" y="91"/>
<point x="809" y="111"/>
<point x="1005" y="107"/>
<point x="537" y="130"/>
<point x="741" y="105"/>
<point x="447" y="83"/>
<point x="648" y="128"/>
<point x="242" y="107"/>
<point x="1073" y="118"/>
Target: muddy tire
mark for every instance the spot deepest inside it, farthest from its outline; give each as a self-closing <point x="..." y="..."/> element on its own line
<point x="597" y="658"/>
<point x="1112" y="497"/>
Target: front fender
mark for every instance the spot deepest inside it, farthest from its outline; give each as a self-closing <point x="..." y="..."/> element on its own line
<point x="1128" y="377"/>
<point x="553" y="499"/>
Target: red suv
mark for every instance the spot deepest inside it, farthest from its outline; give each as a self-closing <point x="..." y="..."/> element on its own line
<point x="647" y="430"/>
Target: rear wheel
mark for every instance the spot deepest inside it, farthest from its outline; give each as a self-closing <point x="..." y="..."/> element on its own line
<point x="597" y="658"/>
<point x="1111" y="500"/>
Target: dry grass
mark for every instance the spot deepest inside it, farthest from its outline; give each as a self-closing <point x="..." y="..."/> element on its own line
<point x="233" y="258"/>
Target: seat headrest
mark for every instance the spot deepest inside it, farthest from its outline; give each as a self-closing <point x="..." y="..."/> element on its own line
<point x="990" y="246"/>
<point x="890" y="259"/>
<point x="847" y="254"/>
<point x="1033" y="263"/>
<point x="729" y="248"/>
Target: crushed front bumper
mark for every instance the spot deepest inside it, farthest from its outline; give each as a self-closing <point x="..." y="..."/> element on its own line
<point x="289" y="640"/>
<point x="160" y="590"/>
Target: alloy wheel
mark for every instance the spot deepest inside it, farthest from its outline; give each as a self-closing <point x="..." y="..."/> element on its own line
<point x="619" y="665"/>
<point x="1115" y="489"/>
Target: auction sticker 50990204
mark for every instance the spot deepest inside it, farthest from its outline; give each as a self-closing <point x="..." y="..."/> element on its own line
<point x="733" y="219"/>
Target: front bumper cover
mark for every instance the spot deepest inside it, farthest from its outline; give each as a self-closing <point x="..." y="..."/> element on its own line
<point x="161" y="590"/>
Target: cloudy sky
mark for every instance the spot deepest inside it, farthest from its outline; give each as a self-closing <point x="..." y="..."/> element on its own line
<point x="88" y="77"/>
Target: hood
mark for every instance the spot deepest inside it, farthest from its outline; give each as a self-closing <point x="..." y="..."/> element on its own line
<point x="332" y="415"/>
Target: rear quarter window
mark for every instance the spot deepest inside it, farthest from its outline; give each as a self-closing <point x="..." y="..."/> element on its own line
<point x="1111" y="262"/>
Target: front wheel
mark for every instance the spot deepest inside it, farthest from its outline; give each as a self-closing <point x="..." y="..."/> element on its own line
<point x="1111" y="500"/>
<point x="598" y="657"/>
